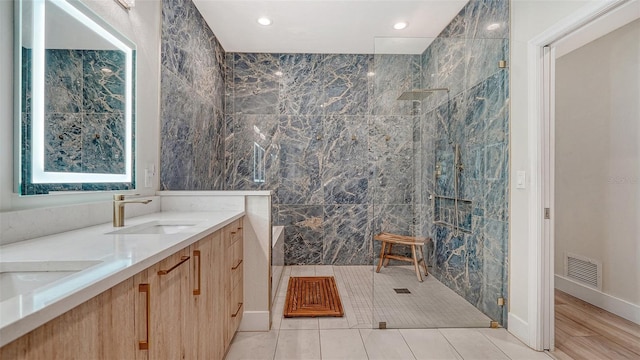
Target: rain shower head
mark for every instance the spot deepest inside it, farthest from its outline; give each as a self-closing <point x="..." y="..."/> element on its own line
<point x="419" y="94"/>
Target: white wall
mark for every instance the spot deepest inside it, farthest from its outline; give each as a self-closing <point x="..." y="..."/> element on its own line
<point x="598" y="158"/>
<point x="143" y="26"/>
<point x="529" y="18"/>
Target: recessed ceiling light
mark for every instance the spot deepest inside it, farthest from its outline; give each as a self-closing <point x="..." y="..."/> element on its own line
<point x="493" y="26"/>
<point x="265" y="21"/>
<point x="400" y="25"/>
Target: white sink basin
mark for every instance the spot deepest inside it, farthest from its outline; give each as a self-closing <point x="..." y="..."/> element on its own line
<point x="21" y="277"/>
<point x="156" y="227"/>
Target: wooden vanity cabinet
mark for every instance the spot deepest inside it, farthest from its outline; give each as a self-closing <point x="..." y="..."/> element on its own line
<point x="187" y="306"/>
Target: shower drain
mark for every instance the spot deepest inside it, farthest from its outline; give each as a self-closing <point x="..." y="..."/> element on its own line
<point x="402" y="291"/>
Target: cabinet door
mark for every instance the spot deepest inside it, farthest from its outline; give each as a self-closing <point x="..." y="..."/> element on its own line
<point x="208" y="287"/>
<point x="101" y="328"/>
<point x="233" y="282"/>
<point x="164" y="310"/>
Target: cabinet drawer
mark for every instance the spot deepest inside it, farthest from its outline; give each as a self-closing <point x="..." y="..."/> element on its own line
<point x="235" y="231"/>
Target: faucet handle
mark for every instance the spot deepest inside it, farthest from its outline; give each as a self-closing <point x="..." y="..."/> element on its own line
<point x="120" y="197"/>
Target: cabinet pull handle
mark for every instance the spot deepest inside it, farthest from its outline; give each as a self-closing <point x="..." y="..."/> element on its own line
<point x="144" y="288"/>
<point x="196" y="253"/>
<point x="183" y="259"/>
<point x="237" y="311"/>
<point x="237" y="265"/>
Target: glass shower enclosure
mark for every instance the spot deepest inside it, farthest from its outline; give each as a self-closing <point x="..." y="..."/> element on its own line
<point x="439" y="148"/>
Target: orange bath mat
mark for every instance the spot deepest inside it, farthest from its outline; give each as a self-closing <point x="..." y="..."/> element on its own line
<point x="312" y="296"/>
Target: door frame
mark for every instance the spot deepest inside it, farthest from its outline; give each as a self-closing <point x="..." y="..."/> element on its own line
<point x="595" y="19"/>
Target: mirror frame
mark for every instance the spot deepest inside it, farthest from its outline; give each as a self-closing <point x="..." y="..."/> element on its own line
<point x="87" y="17"/>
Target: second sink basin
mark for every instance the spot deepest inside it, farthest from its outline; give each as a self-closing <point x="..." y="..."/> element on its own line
<point x="21" y="277"/>
<point x="156" y="227"/>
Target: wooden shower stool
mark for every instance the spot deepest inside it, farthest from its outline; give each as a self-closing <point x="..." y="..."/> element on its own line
<point x="392" y="239"/>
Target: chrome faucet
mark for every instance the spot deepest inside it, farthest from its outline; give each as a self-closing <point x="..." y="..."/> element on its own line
<point x="118" y="208"/>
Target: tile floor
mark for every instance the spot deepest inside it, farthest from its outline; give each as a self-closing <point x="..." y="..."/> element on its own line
<point x="429" y="305"/>
<point x="352" y="336"/>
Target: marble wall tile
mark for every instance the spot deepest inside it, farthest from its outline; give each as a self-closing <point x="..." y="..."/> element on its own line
<point x="300" y="158"/>
<point x="479" y="14"/>
<point x="301" y="84"/>
<point x="177" y="174"/>
<point x="304" y="229"/>
<point x="182" y="26"/>
<point x="346" y="84"/>
<point x="482" y="57"/>
<point x="347" y="235"/>
<point x="193" y="125"/>
<point x="219" y="166"/>
<point x="228" y="84"/>
<point x="452" y="70"/>
<point x="177" y="109"/>
<point x="472" y="21"/>
<point x="229" y="151"/>
<point x="256" y="83"/>
<point x="250" y="131"/>
<point x="497" y="124"/>
<point x="391" y="143"/>
<point x="345" y="171"/>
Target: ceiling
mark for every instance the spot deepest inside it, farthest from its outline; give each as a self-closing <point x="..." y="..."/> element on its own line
<point x="328" y="26"/>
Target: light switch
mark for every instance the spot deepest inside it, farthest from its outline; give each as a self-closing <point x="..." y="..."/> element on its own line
<point x="147" y="178"/>
<point x="521" y="182"/>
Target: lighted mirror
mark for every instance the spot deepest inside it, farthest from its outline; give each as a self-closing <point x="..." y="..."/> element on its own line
<point x="75" y="118"/>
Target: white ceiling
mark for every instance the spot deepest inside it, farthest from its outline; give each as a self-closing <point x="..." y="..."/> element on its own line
<point x="328" y="26"/>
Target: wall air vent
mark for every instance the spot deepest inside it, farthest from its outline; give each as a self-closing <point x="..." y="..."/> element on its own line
<point x="583" y="270"/>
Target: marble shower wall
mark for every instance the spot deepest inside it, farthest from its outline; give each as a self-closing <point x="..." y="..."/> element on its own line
<point x="192" y="113"/>
<point x="335" y="151"/>
<point x="84" y="116"/>
<point x="474" y="114"/>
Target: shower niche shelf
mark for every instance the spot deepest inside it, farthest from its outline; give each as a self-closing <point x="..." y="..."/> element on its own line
<point x="445" y="213"/>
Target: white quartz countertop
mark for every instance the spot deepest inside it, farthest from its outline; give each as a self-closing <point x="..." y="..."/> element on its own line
<point x="115" y="258"/>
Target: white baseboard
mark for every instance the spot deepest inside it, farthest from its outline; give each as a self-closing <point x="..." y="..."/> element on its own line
<point x="518" y="327"/>
<point x="255" y="321"/>
<point x="602" y="300"/>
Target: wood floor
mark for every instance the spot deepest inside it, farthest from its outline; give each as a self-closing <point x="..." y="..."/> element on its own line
<point x="584" y="331"/>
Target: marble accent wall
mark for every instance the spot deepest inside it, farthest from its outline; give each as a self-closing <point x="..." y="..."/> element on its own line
<point x="192" y="105"/>
<point x="473" y="114"/>
<point x="333" y="147"/>
<point x="344" y="157"/>
<point x="84" y="117"/>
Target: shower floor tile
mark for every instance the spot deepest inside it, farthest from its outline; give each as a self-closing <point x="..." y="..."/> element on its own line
<point x="369" y="298"/>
